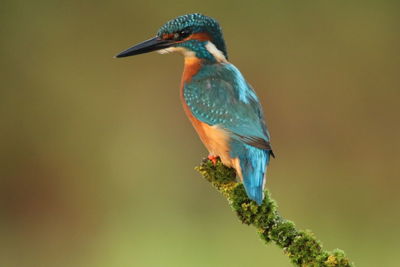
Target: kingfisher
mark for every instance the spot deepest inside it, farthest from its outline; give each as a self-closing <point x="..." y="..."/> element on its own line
<point x="221" y="105"/>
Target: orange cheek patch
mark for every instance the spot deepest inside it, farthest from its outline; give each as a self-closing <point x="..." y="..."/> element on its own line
<point x="201" y="36"/>
<point x="167" y="36"/>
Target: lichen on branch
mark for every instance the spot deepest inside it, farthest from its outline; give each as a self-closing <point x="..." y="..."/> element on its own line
<point x="300" y="246"/>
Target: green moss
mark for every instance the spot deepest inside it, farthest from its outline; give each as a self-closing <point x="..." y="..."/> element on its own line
<point x="301" y="247"/>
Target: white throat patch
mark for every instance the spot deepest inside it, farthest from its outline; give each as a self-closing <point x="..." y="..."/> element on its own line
<point x="211" y="48"/>
<point x="185" y="52"/>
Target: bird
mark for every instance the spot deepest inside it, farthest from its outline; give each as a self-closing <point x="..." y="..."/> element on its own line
<point x="221" y="105"/>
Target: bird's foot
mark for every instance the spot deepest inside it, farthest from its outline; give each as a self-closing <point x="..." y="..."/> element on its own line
<point x="213" y="159"/>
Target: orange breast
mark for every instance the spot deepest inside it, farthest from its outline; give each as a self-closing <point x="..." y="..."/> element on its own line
<point x="214" y="138"/>
<point x="191" y="67"/>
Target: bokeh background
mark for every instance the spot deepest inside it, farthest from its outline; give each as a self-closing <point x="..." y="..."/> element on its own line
<point x="97" y="156"/>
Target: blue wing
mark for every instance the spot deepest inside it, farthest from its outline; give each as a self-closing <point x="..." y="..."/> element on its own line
<point x="219" y="95"/>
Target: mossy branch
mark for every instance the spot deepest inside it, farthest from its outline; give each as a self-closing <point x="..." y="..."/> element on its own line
<point x="301" y="247"/>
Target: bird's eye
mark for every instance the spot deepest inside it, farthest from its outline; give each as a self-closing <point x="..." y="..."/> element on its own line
<point x="180" y="35"/>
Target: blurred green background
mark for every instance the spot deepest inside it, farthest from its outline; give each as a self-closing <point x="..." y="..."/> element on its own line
<point x="97" y="156"/>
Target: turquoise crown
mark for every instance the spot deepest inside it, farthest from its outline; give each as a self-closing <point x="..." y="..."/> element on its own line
<point x="196" y="23"/>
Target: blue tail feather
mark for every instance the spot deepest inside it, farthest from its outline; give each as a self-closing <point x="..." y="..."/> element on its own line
<point x="253" y="162"/>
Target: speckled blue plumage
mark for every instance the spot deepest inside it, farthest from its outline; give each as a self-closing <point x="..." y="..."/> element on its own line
<point x="219" y="95"/>
<point x="197" y="23"/>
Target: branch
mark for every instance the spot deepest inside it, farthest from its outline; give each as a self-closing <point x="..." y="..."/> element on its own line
<point x="301" y="247"/>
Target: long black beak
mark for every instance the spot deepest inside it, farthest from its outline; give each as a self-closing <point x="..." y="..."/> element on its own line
<point x="150" y="45"/>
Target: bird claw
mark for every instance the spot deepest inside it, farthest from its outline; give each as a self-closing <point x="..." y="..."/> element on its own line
<point x="213" y="159"/>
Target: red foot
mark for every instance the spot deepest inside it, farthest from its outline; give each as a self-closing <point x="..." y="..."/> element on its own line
<point x="213" y="159"/>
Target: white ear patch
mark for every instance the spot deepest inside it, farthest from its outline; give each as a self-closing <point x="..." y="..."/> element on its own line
<point x="219" y="56"/>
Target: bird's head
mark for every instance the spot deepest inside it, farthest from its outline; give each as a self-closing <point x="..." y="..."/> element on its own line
<point x="193" y="35"/>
